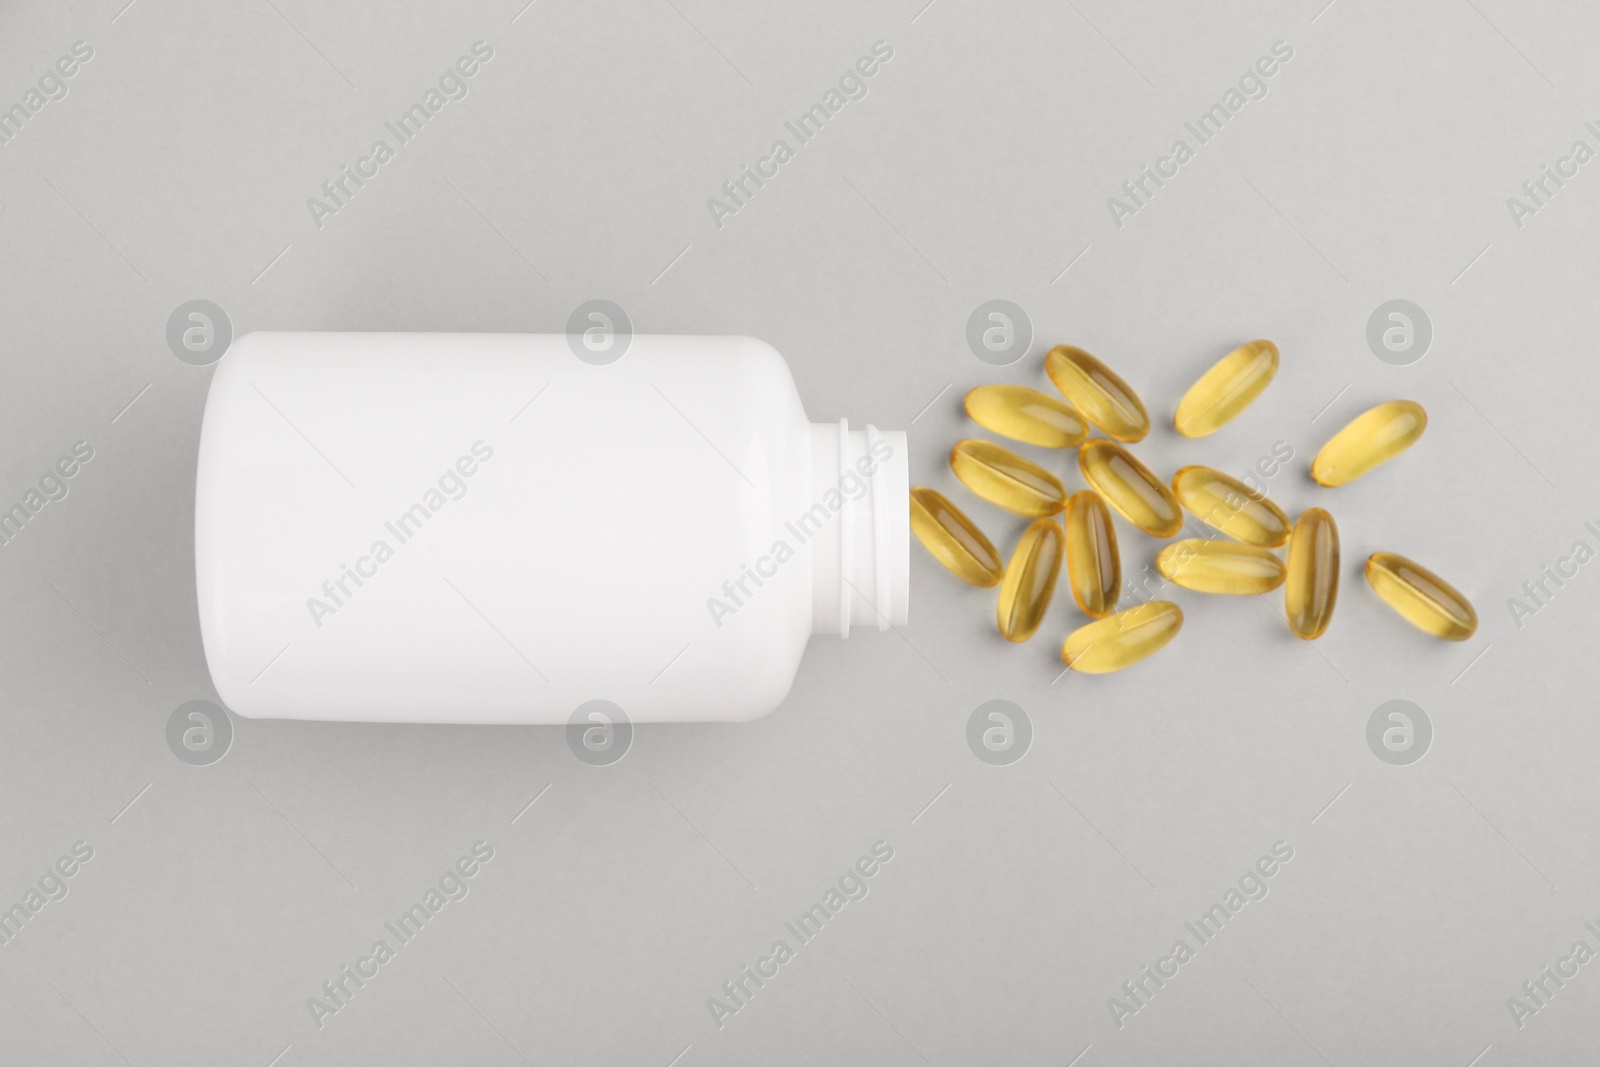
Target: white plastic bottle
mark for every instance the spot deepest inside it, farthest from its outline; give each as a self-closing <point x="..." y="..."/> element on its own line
<point x="487" y="528"/>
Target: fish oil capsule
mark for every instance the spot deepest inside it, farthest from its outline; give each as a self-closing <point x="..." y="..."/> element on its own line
<point x="952" y="538"/>
<point x="1229" y="505"/>
<point x="1002" y="477"/>
<point x="1030" y="580"/>
<point x="1094" y="568"/>
<point x="1226" y="389"/>
<point x="1105" y="399"/>
<point x="1027" y="415"/>
<point x="1220" y="566"/>
<point x="1311" y="584"/>
<point x="1130" y="487"/>
<point x="1372" y="438"/>
<point x="1422" y="598"/>
<point x="1123" y="639"/>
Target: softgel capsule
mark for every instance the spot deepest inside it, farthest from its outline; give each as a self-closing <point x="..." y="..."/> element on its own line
<point x="1421" y="597"/>
<point x="1311" y="583"/>
<point x="1224" y="391"/>
<point x="1121" y="640"/>
<point x="1130" y="487"/>
<point x="1002" y="477"/>
<point x="1220" y="567"/>
<point x="1030" y="580"/>
<point x="1094" y="566"/>
<point x="1094" y="389"/>
<point x="1229" y="505"/>
<point x="953" y="539"/>
<point x="1026" y="415"/>
<point x="1370" y="440"/>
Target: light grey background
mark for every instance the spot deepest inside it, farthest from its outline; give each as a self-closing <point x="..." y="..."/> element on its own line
<point x="1019" y="898"/>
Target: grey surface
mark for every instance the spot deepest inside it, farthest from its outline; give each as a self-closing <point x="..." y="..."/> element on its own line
<point x="1419" y="898"/>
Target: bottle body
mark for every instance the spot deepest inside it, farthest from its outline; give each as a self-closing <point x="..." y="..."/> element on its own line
<point x="487" y="528"/>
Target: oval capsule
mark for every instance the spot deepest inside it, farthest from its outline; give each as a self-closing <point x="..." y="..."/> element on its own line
<point x="1311" y="582"/>
<point x="1105" y="399"/>
<point x="1220" y="566"/>
<point x="1422" y="598"/>
<point x="1002" y="477"/>
<point x="1094" y="567"/>
<point x="1226" y="389"/>
<point x="1371" y="438"/>
<point x="1030" y="580"/>
<point x="1027" y="415"/>
<point x="1130" y="487"/>
<point x="953" y="539"/>
<point x="1123" y="639"/>
<point x="1229" y="505"/>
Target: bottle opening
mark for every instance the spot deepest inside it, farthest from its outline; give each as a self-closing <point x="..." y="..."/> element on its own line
<point x="861" y="560"/>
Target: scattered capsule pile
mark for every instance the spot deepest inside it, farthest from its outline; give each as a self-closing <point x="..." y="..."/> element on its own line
<point x="1085" y="541"/>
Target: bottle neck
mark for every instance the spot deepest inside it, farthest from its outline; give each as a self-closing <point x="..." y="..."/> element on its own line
<point x="859" y="511"/>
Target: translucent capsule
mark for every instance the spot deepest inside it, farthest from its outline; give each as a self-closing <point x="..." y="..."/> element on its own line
<point x="1243" y="513"/>
<point x="1220" y="566"/>
<point x="1311" y="585"/>
<point x="1027" y="415"/>
<point x="1094" y="568"/>
<point x="1105" y="399"/>
<point x="953" y="539"/>
<point x="1123" y="639"/>
<point x="1372" y="438"/>
<point x="1422" y="598"/>
<point x="1130" y="487"/>
<point x="1030" y="580"/>
<point x="1226" y="389"/>
<point x="1002" y="477"/>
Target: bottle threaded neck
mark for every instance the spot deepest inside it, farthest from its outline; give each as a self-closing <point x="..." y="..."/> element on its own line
<point x="861" y="546"/>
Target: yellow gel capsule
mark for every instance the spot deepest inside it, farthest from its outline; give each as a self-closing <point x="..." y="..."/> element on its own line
<point x="1105" y="399"/>
<point x="1030" y="580"/>
<point x="1130" y="487"/>
<point x="1002" y="477"/>
<point x="1122" y="639"/>
<point x="1226" y="389"/>
<point x="1094" y="568"/>
<point x="1422" y="598"/>
<point x="1372" y="438"/>
<point x="953" y="539"/>
<point x="1027" y="415"/>
<point x="1229" y="505"/>
<point x="1311" y="585"/>
<point x="1220" y="566"/>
